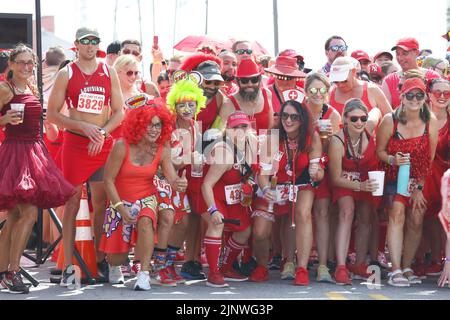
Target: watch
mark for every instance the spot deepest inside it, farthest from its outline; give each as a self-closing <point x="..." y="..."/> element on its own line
<point x="419" y="187"/>
<point x="103" y="132"/>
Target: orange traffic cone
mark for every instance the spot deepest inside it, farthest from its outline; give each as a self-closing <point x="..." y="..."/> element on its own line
<point x="84" y="242"/>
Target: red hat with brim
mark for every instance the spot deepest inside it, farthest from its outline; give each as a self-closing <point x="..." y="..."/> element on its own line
<point x="407" y="44"/>
<point x="413" y="83"/>
<point x="237" y="118"/>
<point x="291" y="53"/>
<point x="360" y="55"/>
<point x="247" y="69"/>
<point x="286" y="66"/>
<point x="386" y="53"/>
<point x="100" y="53"/>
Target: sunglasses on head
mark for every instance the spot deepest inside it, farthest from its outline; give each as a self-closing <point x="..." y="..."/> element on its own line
<point x="242" y="51"/>
<point x="128" y="51"/>
<point x="355" y="118"/>
<point x="294" y="116"/>
<point x="336" y="48"/>
<point x="419" y="96"/>
<point x="322" y="90"/>
<point x="130" y="73"/>
<point x="437" y="94"/>
<point x="253" y="80"/>
<point x="216" y="83"/>
<point x="87" y="41"/>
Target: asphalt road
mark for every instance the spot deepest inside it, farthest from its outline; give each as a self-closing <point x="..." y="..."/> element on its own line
<point x="275" y="288"/>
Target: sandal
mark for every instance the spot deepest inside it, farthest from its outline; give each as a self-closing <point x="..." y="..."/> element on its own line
<point x="397" y="279"/>
<point x="413" y="279"/>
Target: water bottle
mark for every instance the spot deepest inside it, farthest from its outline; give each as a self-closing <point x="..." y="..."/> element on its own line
<point x="403" y="178"/>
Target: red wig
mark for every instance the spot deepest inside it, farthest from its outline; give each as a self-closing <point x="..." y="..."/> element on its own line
<point x="137" y="120"/>
<point x="191" y="62"/>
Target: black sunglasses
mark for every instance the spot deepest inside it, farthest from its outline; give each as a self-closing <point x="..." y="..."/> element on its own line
<point x="294" y="116"/>
<point x="253" y="80"/>
<point x="242" y="51"/>
<point x="87" y="41"/>
<point x="419" y="96"/>
<point x="355" y="118"/>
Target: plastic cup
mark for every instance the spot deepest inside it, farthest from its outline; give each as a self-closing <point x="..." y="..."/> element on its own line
<point x="19" y="107"/>
<point x="197" y="170"/>
<point x="379" y="176"/>
<point x="323" y="125"/>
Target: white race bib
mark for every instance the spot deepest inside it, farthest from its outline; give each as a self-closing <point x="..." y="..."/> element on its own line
<point x="293" y="190"/>
<point x="282" y="193"/>
<point x="233" y="193"/>
<point x="91" y="103"/>
<point x="352" y="176"/>
<point x="412" y="184"/>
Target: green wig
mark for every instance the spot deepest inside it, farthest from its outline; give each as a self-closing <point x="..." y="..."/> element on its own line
<point x="183" y="91"/>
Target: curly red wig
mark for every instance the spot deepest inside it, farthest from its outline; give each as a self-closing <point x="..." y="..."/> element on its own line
<point x="191" y="62"/>
<point x="137" y="120"/>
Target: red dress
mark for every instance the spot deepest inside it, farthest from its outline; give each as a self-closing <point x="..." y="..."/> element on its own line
<point x="354" y="170"/>
<point x="29" y="175"/>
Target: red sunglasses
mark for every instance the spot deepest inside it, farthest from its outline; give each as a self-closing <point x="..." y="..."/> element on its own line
<point x="130" y="73"/>
<point x="437" y="94"/>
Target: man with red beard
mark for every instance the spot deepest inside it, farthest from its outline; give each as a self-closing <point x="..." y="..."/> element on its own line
<point x="229" y="67"/>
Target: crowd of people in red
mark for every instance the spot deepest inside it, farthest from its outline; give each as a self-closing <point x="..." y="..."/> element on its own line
<point x="224" y="158"/>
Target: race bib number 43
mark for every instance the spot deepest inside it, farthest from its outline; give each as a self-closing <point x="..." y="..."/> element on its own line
<point x="233" y="193"/>
<point x="91" y="103"/>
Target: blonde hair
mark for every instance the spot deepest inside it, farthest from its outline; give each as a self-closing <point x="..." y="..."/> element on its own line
<point x="125" y="60"/>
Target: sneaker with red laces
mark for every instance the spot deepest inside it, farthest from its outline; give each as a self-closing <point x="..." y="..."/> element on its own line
<point x="174" y="275"/>
<point x="342" y="276"/>
<point x="434" y="269"/>
<point x="419" y="269"/>
<point x="301" y="277"/>
<point x="162" y="278"/>
<point x="260" y="274"/>
<point x="233" y="276"/>
<point x="216" y="280"/>
<point x="359" y="271"/>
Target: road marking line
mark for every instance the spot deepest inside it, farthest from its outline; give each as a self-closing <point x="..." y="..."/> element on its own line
<point x="379" y="297"/>
<point x="336" y="296"/>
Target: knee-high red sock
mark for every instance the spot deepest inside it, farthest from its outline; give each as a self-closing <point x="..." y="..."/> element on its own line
<point x="212" y="251"/>
<point x="231" y="251"/>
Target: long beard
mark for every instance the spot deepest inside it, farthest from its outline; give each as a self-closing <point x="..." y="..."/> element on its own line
<point x="249" y="96"/>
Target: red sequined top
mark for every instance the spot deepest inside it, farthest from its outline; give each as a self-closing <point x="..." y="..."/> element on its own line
<point x="419" y="149"/>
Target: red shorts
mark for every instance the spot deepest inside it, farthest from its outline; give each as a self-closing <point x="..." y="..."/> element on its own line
<point x="77" y="165"/>
<point x="234" y="211"/>
<point x="356" y="195"/>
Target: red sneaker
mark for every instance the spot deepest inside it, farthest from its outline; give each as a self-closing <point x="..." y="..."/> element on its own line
<point x="162" y="278"/>
<point x="342" y="276"/>
<point x="231" y="275"/>
<point x="434" y="269"/>
<point x="301" y="277"/>
<point x="216" y="280"/>
<point x="174" y="275"/>
<point x="260" y="274"/>
<point x="359" y="271"/>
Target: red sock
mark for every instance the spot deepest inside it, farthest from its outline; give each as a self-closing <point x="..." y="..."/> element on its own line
<point x="248" y="251"/>
<point x="212" y="251"/>
<point x="230" y="252"/>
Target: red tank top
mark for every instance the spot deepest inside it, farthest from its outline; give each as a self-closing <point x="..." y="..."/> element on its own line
<point x="261" y="118"/>
<point x="418" y="148"/>
<point x="368" y="162"/>
<point x="98" y="83"/>
<point x="301" y="163"/>
<point x="207" y="115"/>
<point x="136" y="182"/>
<point x="340" y="106"/>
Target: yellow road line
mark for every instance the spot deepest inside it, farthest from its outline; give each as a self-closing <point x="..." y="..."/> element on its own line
<point x="379" y="297"/>
<point x="336" y="296"/>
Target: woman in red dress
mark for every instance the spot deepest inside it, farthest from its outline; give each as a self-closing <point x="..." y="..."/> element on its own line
<point x="412" y="130"/>
<point x="30" y="178"/>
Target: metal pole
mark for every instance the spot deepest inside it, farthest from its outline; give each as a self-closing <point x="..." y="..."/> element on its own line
<point x="206" y="20"/>
<point x="153" y="13"/>
<point x="275" y="26"/>
<point x="140" y="29"/>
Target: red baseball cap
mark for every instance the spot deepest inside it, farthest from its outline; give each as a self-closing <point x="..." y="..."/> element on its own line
<point x="291" y="53"/>
<point x="407" y="44"/>
<point x="375" y="69"/>
<point x="413" y="83"/>
<point x="386" y="53"/>
<point x="237" y="118"/>
<point x="360" y="55"/>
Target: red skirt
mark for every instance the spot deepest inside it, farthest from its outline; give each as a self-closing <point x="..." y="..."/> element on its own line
<point x="29" y="175"/>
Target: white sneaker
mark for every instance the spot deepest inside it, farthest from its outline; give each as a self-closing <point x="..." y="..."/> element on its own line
<point x="143" y="281"/>
<point x="115" y="275"/>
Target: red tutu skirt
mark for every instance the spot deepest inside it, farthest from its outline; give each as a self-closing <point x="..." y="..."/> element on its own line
<point x="29" y="175"/>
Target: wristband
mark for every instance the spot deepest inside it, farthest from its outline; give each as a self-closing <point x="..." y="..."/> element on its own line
<point x="212" y="209"/>
<point x="391" y="160"/>
<point x="114" y="206"/>
<point x="156" y="62"/>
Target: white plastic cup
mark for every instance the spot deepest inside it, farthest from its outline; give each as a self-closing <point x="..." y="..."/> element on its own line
<point x="379" y="176"/>
<point x="19" y="107"/>
<point x="323" y="125"/>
